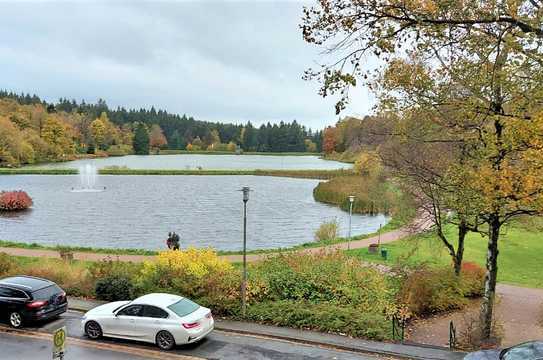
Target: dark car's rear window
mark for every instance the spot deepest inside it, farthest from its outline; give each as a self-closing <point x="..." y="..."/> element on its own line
<point x="184" y="307"/>
<point x="46" y="293"/>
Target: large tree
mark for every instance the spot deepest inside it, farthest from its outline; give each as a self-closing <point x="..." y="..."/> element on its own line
<point x="475" y="68"/>
<point x="141" y="139"/>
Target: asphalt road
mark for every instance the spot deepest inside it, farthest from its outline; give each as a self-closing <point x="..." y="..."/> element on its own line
<point x="218" y="345"/>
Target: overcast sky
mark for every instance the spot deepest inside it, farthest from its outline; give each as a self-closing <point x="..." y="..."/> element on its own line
<point x="220" y="61"/>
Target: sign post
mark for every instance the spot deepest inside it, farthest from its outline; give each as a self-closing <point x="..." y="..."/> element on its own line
<point x="59" y="340"/>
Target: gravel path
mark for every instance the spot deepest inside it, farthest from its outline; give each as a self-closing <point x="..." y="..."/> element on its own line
<point x="357" y="244"/>
<point x="519" y="310"/>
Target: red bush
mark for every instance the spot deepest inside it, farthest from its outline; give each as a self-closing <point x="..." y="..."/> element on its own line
<point x="473" y="278"/>
<point x="14" y="200"/>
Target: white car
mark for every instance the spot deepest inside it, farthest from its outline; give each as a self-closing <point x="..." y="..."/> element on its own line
<point x="164" y="319"/>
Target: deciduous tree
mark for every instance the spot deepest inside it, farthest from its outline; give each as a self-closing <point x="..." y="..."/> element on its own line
<point x="474" y="68"/>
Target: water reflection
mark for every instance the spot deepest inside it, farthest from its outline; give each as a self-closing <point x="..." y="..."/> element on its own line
<point x="139" y="211"/>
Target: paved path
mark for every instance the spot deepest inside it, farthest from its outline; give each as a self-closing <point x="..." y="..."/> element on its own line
<point x="519" y="309"/>
<point x="356" y="244"/>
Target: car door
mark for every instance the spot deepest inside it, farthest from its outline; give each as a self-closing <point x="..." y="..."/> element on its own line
<point x="11" y="299"/>
<point x="124" y="322"/>
<point x="151" y="321"/>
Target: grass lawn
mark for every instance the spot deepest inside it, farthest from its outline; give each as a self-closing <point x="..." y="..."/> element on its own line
<point x="520" y="261"/>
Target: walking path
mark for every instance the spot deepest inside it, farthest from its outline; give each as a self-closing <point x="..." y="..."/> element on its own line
<point x="356" y="244"/>
<point x="518" y="309"/>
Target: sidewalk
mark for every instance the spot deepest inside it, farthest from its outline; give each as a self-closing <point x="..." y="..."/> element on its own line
<point x="356" y="244"/>
<point x="315" y="338"/>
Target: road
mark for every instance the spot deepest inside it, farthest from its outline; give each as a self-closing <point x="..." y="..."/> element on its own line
<point x="35" y="343"/>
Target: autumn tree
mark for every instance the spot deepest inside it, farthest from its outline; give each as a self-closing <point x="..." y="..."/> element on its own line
<point x="157" y="139"/>
<point x="474" y="67"/>
<point x="329" y="140"/>
<point x="98" y="133"/>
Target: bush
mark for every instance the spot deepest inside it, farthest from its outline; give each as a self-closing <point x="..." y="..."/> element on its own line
<point x="119" y="150"/>
<point x="114" y="288"/>
<point x="72" y="277"/>
<point x="473" y="277"/>
<point x="322" y="317"/>
<point x="7" y="264"/>
<point x="321" y="278"/>
<point x="328" y="230"/>
<point x="196" y="273"/>
<point x="14" y="200"/>
<point x="426" y="291"/>
<point x="111" y="268"/>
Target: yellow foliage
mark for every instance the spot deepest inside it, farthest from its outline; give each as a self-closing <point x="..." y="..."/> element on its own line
<point x="191" y="262"/>
<point x="368" y="164"/>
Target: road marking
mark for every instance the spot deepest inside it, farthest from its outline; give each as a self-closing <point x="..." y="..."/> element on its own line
<point x="152" y="354"/>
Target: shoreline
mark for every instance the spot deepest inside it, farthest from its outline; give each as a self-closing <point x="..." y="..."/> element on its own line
<point x="304" y="174"/>
<point x="390" y="226"/>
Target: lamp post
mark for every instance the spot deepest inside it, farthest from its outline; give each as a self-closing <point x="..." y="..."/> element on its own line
<point x="245" y="191"/>
<point x="351" y="201"/>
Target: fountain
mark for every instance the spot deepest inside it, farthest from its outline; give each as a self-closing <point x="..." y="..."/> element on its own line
<point x="87" y="179"/>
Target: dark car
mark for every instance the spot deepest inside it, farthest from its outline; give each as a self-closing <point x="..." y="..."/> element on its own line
<point x="26" y="299"/>
<point x="532" y="350"/>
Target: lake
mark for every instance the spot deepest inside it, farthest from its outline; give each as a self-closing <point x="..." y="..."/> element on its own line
<point x="207" y="162"/>
<point x="139" y="211"/>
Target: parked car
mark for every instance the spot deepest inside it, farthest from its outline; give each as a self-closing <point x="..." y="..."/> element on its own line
<point x="25" y="299"/>
<point x="532" y="350"/>
<point x="164" y="319"/>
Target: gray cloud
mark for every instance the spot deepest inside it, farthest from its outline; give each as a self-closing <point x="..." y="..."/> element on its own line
<point x="218" y="61"/>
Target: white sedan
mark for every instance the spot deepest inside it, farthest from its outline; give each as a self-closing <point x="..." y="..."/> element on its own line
<point x="164" y="319"/>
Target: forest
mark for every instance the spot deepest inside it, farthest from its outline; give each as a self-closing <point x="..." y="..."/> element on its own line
<point x="33" y="130"/>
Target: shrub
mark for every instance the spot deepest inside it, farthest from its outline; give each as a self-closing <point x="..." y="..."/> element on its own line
<point x="196" y="273"/>
<point x="119" y="150"/>
<point x="426" y="291"/>
<point x="328" y="230"/>
<point x="322" y="278"/>
<point x="322" y="317"/>
<point x="111" y="268"/>
<point x="14" y="200"/>
<point x="7" y="264"/>
<point x="114" y="288"/>
<point x="72" y="277"/>
<point x="473" y="277"/>
<point x="471" y="336"/>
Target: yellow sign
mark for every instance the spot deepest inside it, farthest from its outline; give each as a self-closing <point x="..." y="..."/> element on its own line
<point x="59" y="340"/>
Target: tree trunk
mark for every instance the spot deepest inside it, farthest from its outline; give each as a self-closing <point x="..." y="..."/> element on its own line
<point x="459" y="256"/>
<point x="487" y="307"/>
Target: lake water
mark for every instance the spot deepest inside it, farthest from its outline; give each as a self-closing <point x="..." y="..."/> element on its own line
<point x="139" y="211"/>
<point x="208" y="162"/>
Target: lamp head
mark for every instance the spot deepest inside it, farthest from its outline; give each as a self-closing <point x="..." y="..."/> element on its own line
<point x="245" y="190"/>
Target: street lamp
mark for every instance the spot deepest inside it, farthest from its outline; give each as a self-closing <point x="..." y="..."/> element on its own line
<point x="351" y="201"/>
<point x="245" y="191"/>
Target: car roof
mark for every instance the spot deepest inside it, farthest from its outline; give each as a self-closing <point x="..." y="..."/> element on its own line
<point x="158" y="299"/>
<point x="28" y="283"/>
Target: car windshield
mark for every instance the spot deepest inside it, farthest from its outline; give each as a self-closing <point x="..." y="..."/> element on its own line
<point x="46" y="293"/>
<point x="184" y="307"/>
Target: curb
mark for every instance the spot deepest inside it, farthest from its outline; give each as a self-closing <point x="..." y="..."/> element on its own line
<point x="340" y="344"/>
<point x="355" y="349"/>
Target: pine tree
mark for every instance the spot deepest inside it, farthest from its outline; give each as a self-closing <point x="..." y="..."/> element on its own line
<point x="141" y="140"/>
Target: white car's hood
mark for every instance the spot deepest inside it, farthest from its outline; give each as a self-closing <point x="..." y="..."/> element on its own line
<point x="107" y="309"/>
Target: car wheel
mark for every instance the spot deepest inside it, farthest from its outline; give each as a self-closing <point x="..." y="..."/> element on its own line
<point x="93" y="330"/>
<point x="16" y="319"/>
<point x="165" y="340"/>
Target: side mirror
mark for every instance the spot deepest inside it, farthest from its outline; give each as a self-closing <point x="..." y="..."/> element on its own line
<point x="502" y="353"/>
